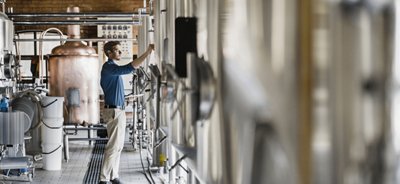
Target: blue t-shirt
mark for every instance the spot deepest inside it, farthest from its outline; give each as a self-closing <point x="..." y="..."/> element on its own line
<point x="111" y="82"/>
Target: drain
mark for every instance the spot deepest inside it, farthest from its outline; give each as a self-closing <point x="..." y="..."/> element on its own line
<point x="92" y="175"/>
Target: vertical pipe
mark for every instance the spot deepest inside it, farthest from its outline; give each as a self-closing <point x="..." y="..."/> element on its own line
<point x="73" y="30"/>
<point x="305" y="75"/>
<point x="170" y="27"/>
<point x="393" y="149"/>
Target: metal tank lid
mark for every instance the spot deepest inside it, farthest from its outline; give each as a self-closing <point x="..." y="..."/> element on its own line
<point x="73" y="48"/>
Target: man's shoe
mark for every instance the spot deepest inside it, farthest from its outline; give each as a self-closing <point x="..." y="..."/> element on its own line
<point x="104" y="182"/>
<point x="116" y="181"/>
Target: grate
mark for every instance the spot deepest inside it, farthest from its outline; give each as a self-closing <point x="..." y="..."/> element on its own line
<point x="92" y="175"/>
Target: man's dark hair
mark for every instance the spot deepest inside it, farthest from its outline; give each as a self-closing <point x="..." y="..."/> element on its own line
<point x="108" y="47"/>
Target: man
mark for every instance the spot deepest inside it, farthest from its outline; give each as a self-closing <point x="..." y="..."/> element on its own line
<point x="114" y="113"/>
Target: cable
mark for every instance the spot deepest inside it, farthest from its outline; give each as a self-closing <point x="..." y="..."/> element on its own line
<point x="160" y="141"/>
<point x="141" y="160"/>
<point x="48" y="153"/>
<point x="148" y="167"/>
<point x="51" y="126"/>
<point x="180" y="165"/>
<point x="177" y="162"/>
<point x="141" y="131"/>
<point x="45" y="106"/>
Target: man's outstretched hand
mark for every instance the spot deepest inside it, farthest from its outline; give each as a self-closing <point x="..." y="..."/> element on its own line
<point x="151" y="47"/>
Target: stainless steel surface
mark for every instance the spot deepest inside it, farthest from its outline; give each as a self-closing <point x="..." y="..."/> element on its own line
<point x="200" y="92"/>
<point x="75" y="67"/>
<point x="15" y="163"/>
<point x="9" y="66"/>
<point x="268" y="153"/>
<point x="29" y="102"/>
<point x="78" y="39"/>
<point x="25" y="105"/>
<point x="145" y="37"/>
<point x="72" y="14"/>
<point x="191" y="95"/>
<point x="157" y="26"/>
<point x="82" y="18"/>
<point x="353" y="49"/>
<point x="12" y="127"/>
<point x="206" y="89"/>
<point x="259" y="88"/>
<point x="87" y="22"/>
<point x="6" y="33"/>
<point x="261" y="129"/>
<point x="211" y="154"/>
<point x="170" y="31"/>
<point x="185" y="8"/>
<point x="160" y="31"/>
<point x="200" y="140"/>
<point x="393" y="129"/>
<point x="181" y="122"/>
<point x="256" y="132"/>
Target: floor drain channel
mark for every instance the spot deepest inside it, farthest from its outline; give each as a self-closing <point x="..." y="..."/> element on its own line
<point x="92" y="175"/>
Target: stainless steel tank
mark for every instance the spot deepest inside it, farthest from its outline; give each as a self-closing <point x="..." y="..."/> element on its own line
<point x="145" y="37"/>
<point x="250" y="134"/>
<point x="259" y="92"/>
<point x="307" y="91"/>
<point x="7" y="60"/>
<point x="6" y="33"/>
<point x="355" y="87"/>
<point x="74" y="74"/>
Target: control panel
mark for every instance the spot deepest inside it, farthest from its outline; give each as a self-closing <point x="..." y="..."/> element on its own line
<point x="119" y="32"/>
<point x="128" y="46"/>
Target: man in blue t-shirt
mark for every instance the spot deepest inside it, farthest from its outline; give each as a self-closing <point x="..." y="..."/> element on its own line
<point x="114" y="111"/>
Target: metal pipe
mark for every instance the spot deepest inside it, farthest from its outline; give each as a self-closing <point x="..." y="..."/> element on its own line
<point x="171" y="70"/>
<point x="87" y="139"/>
<point x="87" y="128"/>
<point x="14" y="162"/>
<point x="77" y="39"/>
<point x="73" y="30"/>
<point x="151" y="7"/>
<point x="80" y="22"/>
<point x="34" y="15"/>
<point x="41" y="50"/>
<point x="392" y="151"/>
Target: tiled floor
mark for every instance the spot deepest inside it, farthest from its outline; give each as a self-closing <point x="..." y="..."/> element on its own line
<point x="80" y="154"/>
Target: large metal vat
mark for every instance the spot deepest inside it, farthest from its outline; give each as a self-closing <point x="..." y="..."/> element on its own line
<point x="6" y="33"/>
<point x="6" y="45"/>
<point x="74" y="74"/>
<point x="355" y="91"/>
<point x="259" y="91"/>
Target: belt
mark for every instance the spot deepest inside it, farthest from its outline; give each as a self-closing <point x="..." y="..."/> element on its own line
<point x="114" y="107"/>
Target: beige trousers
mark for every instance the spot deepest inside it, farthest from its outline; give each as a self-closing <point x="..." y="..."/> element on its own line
<point x="116" y="124"/>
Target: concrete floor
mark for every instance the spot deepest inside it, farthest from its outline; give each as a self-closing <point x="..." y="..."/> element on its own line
<point x="74" y="170"/>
